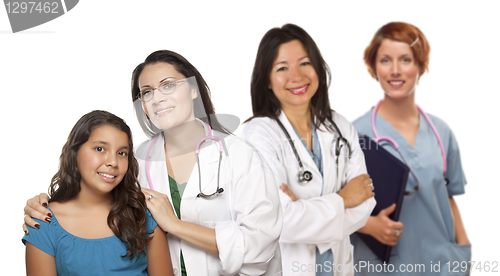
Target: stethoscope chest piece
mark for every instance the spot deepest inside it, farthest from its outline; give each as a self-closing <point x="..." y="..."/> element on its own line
<point x="217" y="193"/>
<point x="305" y="177"/>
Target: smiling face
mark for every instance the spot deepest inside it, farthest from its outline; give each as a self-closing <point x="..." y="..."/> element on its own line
<point x="293" y="78"/>
<point x="396" y="69"/>
<point x="103" y="160"/>
<point x="167" y="111"/>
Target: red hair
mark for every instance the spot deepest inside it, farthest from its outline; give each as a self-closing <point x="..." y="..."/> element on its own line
<point x="402" y="32"/>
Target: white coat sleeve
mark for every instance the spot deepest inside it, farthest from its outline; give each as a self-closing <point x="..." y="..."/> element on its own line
<point x="248" y="242"/>
<point x="354" y="218"/>
<point x="313" y="221"/>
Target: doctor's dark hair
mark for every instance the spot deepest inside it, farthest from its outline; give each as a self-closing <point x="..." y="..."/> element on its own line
<point x="264" y="102"/>
<point x="127" y="217"/>
<point x="402" y="32"/>
<point x="202" y="105"/>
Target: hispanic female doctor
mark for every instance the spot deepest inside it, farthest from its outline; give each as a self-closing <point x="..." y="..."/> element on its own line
<point x="313" y="152"/>
<point x="210" y="191"/>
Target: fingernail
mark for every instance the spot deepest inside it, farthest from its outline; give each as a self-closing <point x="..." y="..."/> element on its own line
<point x="49" y="214"/>
<point x="44" y="205"/>
<point x="47" y="220"/>
<point x="25" y="232"/>
<point x="37" y="226"/>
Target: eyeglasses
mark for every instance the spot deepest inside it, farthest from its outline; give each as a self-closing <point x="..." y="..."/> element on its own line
<point x="165" y="88"/>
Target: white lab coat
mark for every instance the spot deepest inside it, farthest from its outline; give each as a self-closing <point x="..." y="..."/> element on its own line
<point x="247" y="216"/>
<point x="317" y="218"/>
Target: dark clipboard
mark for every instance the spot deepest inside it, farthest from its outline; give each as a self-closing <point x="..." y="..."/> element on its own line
<point x="389" y="176"/>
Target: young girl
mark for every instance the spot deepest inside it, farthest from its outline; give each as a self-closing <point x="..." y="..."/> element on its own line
<point x="100" y="225"/>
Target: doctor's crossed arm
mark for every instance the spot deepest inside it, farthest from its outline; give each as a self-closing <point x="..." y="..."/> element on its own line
<point x="355" y="192"/>
<point x="350" y="207"/>
<point x="284" y="188"/>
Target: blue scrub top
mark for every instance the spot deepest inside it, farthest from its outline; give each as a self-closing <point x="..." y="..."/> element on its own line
<point x="79" y="256"/>
<point x="428" y="235"/>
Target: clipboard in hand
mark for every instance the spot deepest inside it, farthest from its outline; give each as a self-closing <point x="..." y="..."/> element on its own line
<point x="389" y="176"/>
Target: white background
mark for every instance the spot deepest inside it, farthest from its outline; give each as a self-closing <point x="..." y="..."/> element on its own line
<point x="54" y="73"/>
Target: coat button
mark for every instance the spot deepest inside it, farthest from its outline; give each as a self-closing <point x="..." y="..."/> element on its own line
<point x="312" y="247"/>
<point x="176" y="271"/>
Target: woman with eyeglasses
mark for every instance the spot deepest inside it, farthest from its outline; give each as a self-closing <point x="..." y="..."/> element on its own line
<point x="313" y="151"/>
<point x="210" y="191"/>
<point x="430" y="230"/>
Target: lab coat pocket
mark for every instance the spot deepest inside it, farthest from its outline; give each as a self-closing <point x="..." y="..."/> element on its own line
<point x="348" y="253"/>
<point x="213" y="209"/>
<point x="343" y="263"/>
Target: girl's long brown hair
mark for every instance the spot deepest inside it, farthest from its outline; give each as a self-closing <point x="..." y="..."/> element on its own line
<point x="127" y="218"/>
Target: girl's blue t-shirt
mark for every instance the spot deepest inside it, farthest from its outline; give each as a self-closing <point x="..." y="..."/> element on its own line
<point x="79" y="256"/>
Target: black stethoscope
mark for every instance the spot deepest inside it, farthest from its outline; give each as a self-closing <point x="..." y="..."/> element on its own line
<point x="304" y="176"/>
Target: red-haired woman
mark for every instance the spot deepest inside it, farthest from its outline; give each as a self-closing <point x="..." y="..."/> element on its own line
<point x="397" y="57"/>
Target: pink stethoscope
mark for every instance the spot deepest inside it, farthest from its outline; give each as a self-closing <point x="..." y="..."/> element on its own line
<point x="197" y="151"/>
<point x="377" y="139"/>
